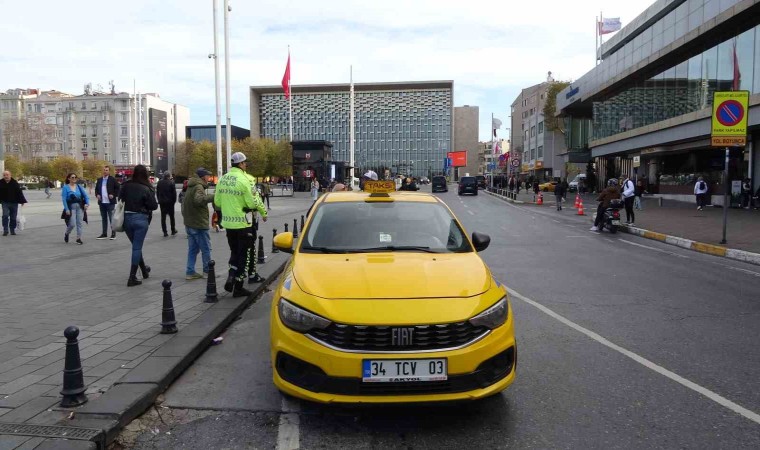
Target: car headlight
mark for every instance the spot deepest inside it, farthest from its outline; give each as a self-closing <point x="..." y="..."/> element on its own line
<point x="298" y="319"/>
<point x="494" y="316"/>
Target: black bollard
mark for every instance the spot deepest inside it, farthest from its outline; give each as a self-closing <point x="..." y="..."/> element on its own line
<point x="168" y="322"/>
<point x="261" y="259"/>
<point x="274" y="233"/>
<point x="211" y="294"/>
<point x="286" y="227"/>
<point x="295" y="228"/>
<point x="302" y="223"/>
<point x="73" y="380"/>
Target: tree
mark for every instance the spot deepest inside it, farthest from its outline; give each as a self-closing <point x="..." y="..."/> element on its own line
<point x="36" y="167"/>
<point x="202" y="154"/>
<point x="92" y="169"/>
<point x="64" y="165"/>
<point x="550" y="107"/>
<point x="30" y="133"/>
<point x="14" y="166"/>
<point x="182" y="158"/>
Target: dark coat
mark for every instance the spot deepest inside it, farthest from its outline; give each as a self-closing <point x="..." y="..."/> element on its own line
<point x="11" y="192"/>
<point x="138" y="197"/>
<point x="166" y="191"/>
<point x="112" y="187"/>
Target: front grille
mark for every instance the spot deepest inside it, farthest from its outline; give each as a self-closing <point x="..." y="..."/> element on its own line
<point x="362" y="338"/>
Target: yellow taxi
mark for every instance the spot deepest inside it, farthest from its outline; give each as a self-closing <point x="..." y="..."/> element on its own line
<point x="386" y="300"/>
<point x="548" y="186"/>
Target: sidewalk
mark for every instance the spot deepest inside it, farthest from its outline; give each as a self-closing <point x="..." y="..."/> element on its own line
<point x="674" y="220"/>
<point x="48" y="285"/>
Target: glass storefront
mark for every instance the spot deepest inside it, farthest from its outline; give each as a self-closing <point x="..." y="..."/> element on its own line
<point x="683" y="88"/>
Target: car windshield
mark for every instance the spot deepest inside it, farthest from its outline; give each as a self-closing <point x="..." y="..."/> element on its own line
<point x="361" y="227"/>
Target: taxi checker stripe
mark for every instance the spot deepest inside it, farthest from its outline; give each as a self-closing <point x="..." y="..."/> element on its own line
<point x="717" y="398"/>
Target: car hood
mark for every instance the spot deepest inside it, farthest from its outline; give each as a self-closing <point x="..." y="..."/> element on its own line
<point x="391" y="275"/>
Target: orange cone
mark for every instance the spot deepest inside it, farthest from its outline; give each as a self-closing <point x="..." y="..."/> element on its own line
<point x="540" y="199"/>
<point x="580" y="208"/>
<point x="577" y="200"/>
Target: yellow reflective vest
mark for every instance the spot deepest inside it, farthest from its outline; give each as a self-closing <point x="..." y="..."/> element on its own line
<point x="234" y="197"/>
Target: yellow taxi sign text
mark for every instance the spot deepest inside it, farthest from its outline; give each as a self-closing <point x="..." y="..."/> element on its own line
<point x="379" y="187"/>
<point x="729" y="118"/>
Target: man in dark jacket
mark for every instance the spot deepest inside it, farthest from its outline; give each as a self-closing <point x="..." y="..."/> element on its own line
<point x="10" y="196"/>
<point x="107" y="191"/>
<point x="559" y="194"/>
<point x="195" y="213"/>
<point x="167" y="197"/>
<point x="611" y="192"/>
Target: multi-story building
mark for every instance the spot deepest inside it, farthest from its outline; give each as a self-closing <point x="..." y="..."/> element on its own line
<point x="491" y="162"/>
<point x="116" y="127"/>
<point x="645" y="109"/>
<point x="200" y="133"/>
<point x="466" y="134"/>
<point x="540" y="149"/>
<point x="403" y="127"/>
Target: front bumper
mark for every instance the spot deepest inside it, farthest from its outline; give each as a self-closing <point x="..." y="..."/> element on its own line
<point x="306" y="369"/>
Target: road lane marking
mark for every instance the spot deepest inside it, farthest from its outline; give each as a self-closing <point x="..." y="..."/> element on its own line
<point x="288" y="437"/>
<point x="504" y="228"/>
<point x="739" y="269"/>
<point x="717" y="398"/>
<point x="471" y="213"/>
<point x="652" y="248"/>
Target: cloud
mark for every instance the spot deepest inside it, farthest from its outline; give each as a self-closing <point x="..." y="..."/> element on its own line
<point x="491" y="49"/>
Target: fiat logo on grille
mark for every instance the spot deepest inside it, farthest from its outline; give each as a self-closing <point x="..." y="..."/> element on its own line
<point x="402" y="337"/>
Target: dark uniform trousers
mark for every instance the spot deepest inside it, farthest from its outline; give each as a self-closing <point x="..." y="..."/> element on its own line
<point x="239" y="241"/>
<point x="252" y="250"/>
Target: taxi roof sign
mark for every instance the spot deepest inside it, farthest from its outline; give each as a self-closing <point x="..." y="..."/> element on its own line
<point x="379" y="187"/>
<point x="729" y="118"/>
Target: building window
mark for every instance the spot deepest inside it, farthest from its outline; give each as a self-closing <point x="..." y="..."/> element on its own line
<point x="540" y="127"/>
<point x="123" y="117"/>
<point x="540" y="151"/>
<point x="124" y="131"/>
<point x="124" y="156"/>
<point x="105" y="144"/>
<point x="124" y="143"/>
<point x="84" y="143"/>
<point x="533" y="131"/>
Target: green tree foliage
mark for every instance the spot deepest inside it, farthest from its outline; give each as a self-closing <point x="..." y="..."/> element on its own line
<point x="64" y="165"/>
<point x="36" y="167"/>
<point x="202" y="154"/>
<point x="266" y="157"/>
<point x="14" y="166"/>
<point x="182" y="159"/>
<point x="92" y="169"/>
<point x="550" y="107"/>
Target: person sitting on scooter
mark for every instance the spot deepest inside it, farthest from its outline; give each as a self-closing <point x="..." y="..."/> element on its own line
<point x="611" y="192"/>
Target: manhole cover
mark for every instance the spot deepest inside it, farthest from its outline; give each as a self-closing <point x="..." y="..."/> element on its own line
<point x="50" y="431"/>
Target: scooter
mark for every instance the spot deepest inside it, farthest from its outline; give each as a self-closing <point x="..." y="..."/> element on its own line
<point x="611" y="218"/>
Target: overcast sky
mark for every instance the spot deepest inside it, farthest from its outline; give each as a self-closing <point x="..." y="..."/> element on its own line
<point x="491" y="49"/>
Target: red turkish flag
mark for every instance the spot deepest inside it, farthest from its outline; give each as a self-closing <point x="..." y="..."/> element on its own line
<point x="286" y="79"/>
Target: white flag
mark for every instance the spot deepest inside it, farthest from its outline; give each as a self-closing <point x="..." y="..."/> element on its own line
<point x="496" y="123"/>
<point x="609" y="25"/>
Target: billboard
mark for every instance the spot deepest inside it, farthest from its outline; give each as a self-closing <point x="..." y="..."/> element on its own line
<point x="458" y="159"/>
<point x="159" y="153"/>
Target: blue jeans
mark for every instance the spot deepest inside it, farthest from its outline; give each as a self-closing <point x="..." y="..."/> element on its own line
<point x="197" y="240"/>
<point x="136" y="227"/>
<point x="106" y="214"/>
<point x="77" y="213"/>
<point x="10" y="210"/>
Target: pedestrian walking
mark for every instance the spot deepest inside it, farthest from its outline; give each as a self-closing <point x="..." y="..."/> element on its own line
<point x="314" y="189"/>
<point x="629" y="189"/>
<point x="511" y="184"/>
<point x="700" y="191"/>
<point x="565" y="188"/>
<point x="48" y="186"/>
<point x="106" y="191"/>
<point x="611" y="192"/>
<point x="266" y="192"/>
<point x="637" y="193"/>
<point x="559" y="194"/>
<point x="195" y="214"/>
<point x="139" y="203"/>
<point x="11" y="196"/>
<point x="234" y="196"/>
<point x="167" y="197"/>
<point x="746" y="193"/>
<point x="536" y="189"/>
<point x="75" y="204"/>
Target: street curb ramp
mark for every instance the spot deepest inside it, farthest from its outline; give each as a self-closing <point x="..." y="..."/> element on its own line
<point x="710" y="249"/>
<point x="141" y="386"/>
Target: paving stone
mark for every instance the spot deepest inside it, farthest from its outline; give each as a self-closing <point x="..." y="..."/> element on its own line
<point x="125" y="345"/>
<point x="50" y="369"/>
<point x="7" y="377"/>
<point x="42" y="351"/>
<point x="92" y="350"/>
<point x="29" y="410"/>
<point x="105" y="368"/>
<point x="20" y="383"/>
<point x="31" y="444"/>
<point x="11" y="442"/>
<point x="24" y="395"/>
<point x="62" y="444"/>
<point x="98" y="359"/>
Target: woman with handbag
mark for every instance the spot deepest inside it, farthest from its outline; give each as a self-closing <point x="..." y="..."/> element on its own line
<point x="139" y="203"/>
<point x="75" y="204"/>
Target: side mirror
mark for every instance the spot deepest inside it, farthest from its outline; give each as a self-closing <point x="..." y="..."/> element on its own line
<point x="284" y="242"/>
<point x="480" y="241"/>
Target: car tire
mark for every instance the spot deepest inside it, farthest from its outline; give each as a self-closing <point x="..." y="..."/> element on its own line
<point x="613" y="229"/>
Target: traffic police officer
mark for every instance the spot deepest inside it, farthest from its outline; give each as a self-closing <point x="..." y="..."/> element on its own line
<point x="235" y="198"/>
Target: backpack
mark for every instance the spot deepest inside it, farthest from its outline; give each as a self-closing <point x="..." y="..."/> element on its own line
<point x="702" y="186"/>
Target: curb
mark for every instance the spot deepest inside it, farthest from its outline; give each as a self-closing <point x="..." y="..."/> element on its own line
<point x="710" y="249"/>
<point x="506" y="199"/>
<point x="140" y="387"/>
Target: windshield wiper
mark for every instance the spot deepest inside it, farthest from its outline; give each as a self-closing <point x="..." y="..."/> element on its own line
<point x="392" y="248"/>
<point x="322" y="249"/>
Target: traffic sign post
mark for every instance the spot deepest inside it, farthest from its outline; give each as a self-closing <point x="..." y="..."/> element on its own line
<point x="729" y="129"/>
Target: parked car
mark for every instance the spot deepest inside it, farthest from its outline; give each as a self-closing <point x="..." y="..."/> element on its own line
<point x="439" y="184"/>
<point x="467" y="185"/>
<point x="481" y="181"/>
<point x="573" y="185"/>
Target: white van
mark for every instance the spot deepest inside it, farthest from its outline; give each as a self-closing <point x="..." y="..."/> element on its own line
<point x="573" y="185"/>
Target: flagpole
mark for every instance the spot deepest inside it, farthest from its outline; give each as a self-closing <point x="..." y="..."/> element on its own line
<point x="601" y="36"/>
<point x="290" y="98"/>
<point x="227" y="80"/>
<point x="596" y="41"/>
<point x="351" y="127"/>
<point x="217" y="94"/>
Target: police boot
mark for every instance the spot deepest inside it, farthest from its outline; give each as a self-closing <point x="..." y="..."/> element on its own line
<point x="228" y="285"/>
<point x="240" y="291"/>
<point x="144" y="269"/>
<point x="133" y="281"/>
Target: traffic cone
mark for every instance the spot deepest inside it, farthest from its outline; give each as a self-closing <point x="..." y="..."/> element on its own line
<point x="577" y="200"/>
<point x="540" y="200"/>
<point x="580" y="208"/>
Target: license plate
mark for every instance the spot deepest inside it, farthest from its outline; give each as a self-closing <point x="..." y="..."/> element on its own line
<point x="404" y="370"/>
<point x="616" y="222"/>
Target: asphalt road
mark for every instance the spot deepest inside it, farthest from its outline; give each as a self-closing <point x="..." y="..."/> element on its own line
<point x="623" y="343"/>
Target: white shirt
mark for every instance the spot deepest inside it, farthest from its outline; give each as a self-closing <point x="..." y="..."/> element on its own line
<point x="697" y="190"/>
<point x="104" y="191"/>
